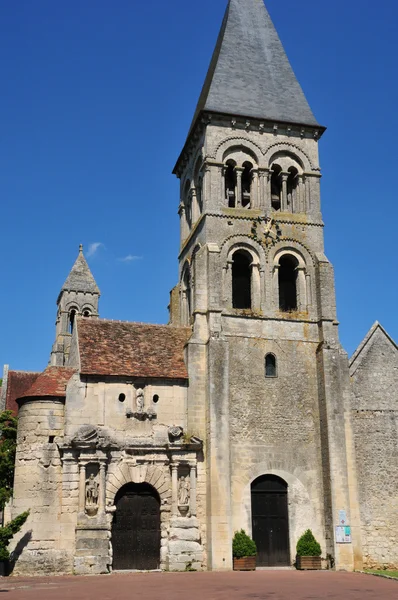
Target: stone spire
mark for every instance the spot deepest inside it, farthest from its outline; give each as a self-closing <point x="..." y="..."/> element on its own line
<point x="80" y="278"/>
<point x="250" y="74"/>
<point x="78" y="297"/>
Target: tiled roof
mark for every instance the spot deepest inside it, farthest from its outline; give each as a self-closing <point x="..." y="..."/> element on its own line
<point x="131" y="349"/>
<point x="250" y="74"/>
<point x="18" y="382"/>
<point x="51" y="383"/>
<point x="80" y="278"/>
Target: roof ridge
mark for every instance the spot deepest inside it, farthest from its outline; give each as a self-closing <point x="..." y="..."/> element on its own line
<point x="103" y="320"/>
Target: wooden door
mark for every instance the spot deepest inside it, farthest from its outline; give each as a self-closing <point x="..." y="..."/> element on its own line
<point x="136" y="529"/>
<point x="270" y="521"/>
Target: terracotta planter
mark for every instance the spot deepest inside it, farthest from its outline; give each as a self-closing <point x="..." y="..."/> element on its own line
<point x="308" y="563"/>
<point x="247" y="563"/>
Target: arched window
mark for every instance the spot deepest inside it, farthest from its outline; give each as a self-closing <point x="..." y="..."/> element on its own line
<point x="247" y="177"/>
<point x="292" y="182"/>
<point x="241" y="279"/>
<point x="276" y="187"/>
<point x="86" y="313"/>
<point x="270" y="365"/>
<point x="72" y="317"/>
<point x="288" y="283"/>
<point x="230" y="184"/>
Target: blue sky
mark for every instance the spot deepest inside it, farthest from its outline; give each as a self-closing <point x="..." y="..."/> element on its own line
<point x="96" y="101"/>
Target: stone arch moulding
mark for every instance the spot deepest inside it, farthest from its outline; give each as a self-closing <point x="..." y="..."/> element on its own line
<point x="242" y="242"/>
<point x="129" y="473"/>
<point x="292" y="150"/>
<point x="232" y="142"/>
<point x="304" y="510"/>
<point x="297" y="249"/>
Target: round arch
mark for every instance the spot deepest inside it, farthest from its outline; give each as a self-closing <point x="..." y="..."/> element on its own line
<point x="136" y="528"/>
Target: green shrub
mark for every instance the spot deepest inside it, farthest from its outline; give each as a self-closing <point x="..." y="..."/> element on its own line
<point x="7" y="533"/>
<point x="243" y="545"/>
<point x="307" y="545"/>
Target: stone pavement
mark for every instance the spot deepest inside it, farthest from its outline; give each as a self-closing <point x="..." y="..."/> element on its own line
<point x="261" y="585"/>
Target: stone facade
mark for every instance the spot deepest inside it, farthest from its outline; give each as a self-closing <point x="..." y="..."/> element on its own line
<point x="248" y="385"/>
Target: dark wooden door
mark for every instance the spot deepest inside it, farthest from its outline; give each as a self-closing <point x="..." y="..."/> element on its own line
<point x="270" y="522"/>
<point x="136" y="528"/>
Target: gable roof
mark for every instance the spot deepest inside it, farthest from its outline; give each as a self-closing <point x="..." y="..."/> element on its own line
<point x="360" y="352"/>
<point x="80" y="278"/>
<point x="50" y="384"/>
<point x="250" y="74"/>
<point x="114" y="348"/>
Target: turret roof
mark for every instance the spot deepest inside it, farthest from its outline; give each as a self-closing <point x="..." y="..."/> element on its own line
<point x="250" y="74"/>
<point x="80" y="278"/>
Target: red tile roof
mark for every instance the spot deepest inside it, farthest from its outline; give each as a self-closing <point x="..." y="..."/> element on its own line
<point x="51" y="383"/>
<point x="132" y="349"/>
<point x="17" y="384"/>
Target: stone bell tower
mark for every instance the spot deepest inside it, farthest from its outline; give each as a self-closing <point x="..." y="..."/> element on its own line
<point x="269" y="381"/>
<point x="78" y="297"/>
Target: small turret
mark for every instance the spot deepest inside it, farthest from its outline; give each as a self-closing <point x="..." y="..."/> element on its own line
<point x="78" y="297"/>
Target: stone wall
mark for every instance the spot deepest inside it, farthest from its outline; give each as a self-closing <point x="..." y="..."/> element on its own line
<point x="374" y="376"/>
<point x="37" y="486"/>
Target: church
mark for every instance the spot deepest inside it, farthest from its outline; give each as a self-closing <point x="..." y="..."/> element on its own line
<point x="145" y="447"/>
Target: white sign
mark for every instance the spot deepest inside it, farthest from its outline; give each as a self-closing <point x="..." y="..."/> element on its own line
<point x="343" y="517"/>
<point x="343" y="535"/>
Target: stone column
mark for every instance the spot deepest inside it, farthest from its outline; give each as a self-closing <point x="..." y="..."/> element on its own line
<point x="192" y="494"/>
<point x="102" y="490"/>
<point x="227" y="285"/>
<point x="174" y="489"/>
<point x="254" y="203"/>
<point x="308" y="288"/>
<point x="302" y="289"/>
<point x="301" y="194"/>
<point x="82" y="487"/>
<point x="239" y="172"/>
<point x="224" y="198"/>
<point x="275" y="286"/>
<point x="195" y="207"/>
<point x="255" y="291"/>
<point x="284" y="177"/>
<point x="181" y="212"/>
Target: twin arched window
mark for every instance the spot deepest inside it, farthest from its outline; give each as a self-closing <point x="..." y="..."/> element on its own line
<point x="238" y="184"/>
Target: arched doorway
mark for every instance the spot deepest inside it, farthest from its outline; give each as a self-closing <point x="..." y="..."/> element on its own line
<point x="270" y="521"/>
<point x="136" y="528"/>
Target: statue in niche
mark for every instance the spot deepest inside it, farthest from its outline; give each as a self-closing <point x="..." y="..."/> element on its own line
<point x="140" y="400"/>
<point x="183" y="492"/>
<point x="92" y="495"/>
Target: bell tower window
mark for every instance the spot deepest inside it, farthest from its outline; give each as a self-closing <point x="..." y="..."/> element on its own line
<point x="276" y="187"/>
<point x="241" y="280"/>
<point x="72" y="317"/>
<point x="230" y="184"/>
<point x="247" y="178"/>
<point x="288" y="283"/>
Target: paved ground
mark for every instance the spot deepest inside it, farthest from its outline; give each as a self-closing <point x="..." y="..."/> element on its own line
<point x="261" y="585"/>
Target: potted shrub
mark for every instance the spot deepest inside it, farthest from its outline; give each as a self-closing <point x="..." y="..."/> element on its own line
<point x="244" y="551"/>
<point x="6" y="534"/>
<point x="308" y="552"/>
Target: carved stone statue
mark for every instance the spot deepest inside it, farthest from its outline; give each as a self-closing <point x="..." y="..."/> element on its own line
<point x="140" y="400"/>
<point x="92" y="494"/>
<point x="183" y="492"/>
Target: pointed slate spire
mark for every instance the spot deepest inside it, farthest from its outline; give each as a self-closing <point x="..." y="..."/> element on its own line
<point x="250" y="74"/>
<point x="80" y="279"/>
